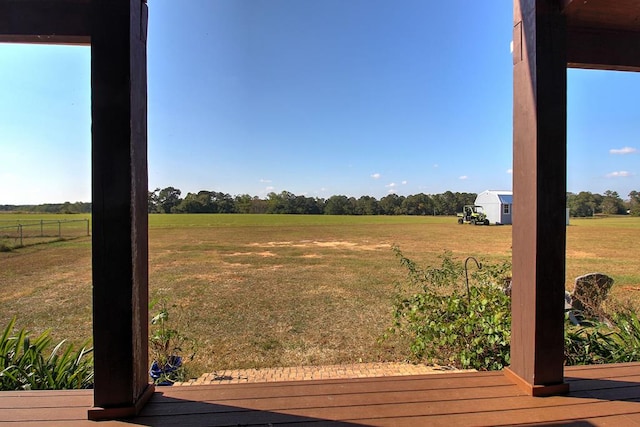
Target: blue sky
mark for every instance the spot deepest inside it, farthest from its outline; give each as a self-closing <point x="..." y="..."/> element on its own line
<point x="359" y="97"/>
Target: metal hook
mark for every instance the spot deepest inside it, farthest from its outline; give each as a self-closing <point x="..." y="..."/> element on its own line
<point x="466" y="274"/>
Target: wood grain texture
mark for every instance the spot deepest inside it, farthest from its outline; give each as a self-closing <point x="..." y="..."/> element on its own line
<point x="539" y="188"/>
<point x="600" y="395"/>
<point x="119" y="197"/>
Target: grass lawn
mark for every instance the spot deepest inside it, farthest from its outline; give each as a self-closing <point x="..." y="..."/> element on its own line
<point x="279" y="290"/>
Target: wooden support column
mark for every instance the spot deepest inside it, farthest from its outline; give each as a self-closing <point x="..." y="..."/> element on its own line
<point x="539" y="197"/>
<point x="119" y="186"/>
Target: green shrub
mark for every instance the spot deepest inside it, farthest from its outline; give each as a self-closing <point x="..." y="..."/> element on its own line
<point x="447" y="325"/>
<point x="23" y="365"/>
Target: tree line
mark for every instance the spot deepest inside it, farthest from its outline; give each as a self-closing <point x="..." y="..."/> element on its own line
<point x="586" y="204"/>
<point x="169" y="200"/>
<point x="54" y="208"/>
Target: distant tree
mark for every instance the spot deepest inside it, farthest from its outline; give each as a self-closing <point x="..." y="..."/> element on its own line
<point x="168" y="198"/>
<point x="612" y="204"/>
<point x="190" y="204"/>
<point x="259" y="206"/>
<point x="597" y="199"/>
<point x="67" y="208"/>
<point x="278" y="203"/>
<point x="243" y="203"/>
<point x="391" y="204"/>
<point x="338" y="205"/>
<point x="438" y="204"/>
<point x="307" y="205"/>
<point x="418" y="204"/>
<point x="367" y="205"/>
<point x="250" y="204"/>
<point x="446" y="203"/>
<point x="152" y="203"/>
<point x="206" y="202"/>
<point x="581" y="204"/>
<point x="634" y="203"/>
<point x="222" y="202"/>
<point x="463" y="199"/>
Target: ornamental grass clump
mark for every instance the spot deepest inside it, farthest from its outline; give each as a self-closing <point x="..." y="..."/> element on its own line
<point x="615" y="340"/>
<point x="24" y="364"/>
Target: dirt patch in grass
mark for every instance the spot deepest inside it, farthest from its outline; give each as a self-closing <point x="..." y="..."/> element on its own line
<point x="261" y="254"/>
<point x="339" y="244"/>
<point x="579" y="254"/>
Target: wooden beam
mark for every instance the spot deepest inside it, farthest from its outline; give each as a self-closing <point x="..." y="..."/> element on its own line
<point x="120" y="188"/>
<point x="603" y="49"/>
<point x="618" y="15"/>
<point x="539" y="197"/>
<point x="45" y="21"/>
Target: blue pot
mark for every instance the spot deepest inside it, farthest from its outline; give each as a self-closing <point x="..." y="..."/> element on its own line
<point x="172" y="365"/>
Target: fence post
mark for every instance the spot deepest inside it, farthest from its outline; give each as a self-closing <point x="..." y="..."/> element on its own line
<point x="20" y="232"/>
<point x="59" y="228"/>
<point x="42" y="228"/>
<point x="87" y="226"/>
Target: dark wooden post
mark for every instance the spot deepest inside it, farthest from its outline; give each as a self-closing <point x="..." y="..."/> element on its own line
<point x="119" y="186"/>
<point x="539" y="196"/>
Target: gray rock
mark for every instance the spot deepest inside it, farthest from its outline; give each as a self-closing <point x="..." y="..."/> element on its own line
<point x="589" y="293"/>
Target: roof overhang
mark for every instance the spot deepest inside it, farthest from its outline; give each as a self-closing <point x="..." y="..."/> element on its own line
<point x="45" y="21"/>
<point x="603" y="34"/>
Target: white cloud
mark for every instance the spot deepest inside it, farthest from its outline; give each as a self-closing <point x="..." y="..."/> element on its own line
<point x="436" y="165"/>
<point x="376" y="175"/>
<point x="391" y="185"/>
<point x="265" y="180"/>
<point x="619" y="174"/>
<point x="510" y="171"/>
<point x="623" y="150"/>
<point x="463" y="177"/>
<point x="391" y="191"/>
<point x="404" y="182"/>
<point x="270" y="188"/>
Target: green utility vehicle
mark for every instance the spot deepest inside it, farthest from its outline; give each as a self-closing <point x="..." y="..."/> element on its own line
<point x="473" y="214"/>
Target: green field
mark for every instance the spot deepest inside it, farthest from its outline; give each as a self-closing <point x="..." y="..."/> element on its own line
<point x="281" y="290"/>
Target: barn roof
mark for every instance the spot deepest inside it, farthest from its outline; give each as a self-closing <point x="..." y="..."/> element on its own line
<point x="505" y="199"/>
<point x="504" y="196"/>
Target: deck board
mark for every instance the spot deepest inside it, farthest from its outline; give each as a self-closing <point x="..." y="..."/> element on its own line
<point x="602" y="395"/>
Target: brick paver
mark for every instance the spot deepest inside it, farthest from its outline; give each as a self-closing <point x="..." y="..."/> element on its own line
<point x="301" y="373"/>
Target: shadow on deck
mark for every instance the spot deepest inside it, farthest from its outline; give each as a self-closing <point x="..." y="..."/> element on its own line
<point x="600" y="395"/>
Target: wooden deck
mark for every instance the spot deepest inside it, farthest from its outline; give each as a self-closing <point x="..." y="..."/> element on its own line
<point x="600" y="395"/>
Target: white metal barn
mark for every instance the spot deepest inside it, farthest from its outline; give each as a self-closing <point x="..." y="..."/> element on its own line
<point x="498" y="205"/>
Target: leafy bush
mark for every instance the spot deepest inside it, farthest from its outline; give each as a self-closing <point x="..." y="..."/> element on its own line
<point x="23" y="365"/>
<point x="166" y="343"/>
<point x="447" y="325"/>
